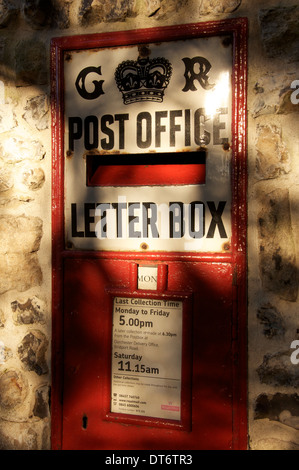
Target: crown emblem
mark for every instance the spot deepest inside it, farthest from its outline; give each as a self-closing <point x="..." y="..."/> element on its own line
<point x="143" y="79"/>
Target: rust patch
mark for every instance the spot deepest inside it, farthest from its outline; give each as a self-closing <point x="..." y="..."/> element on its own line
<point x="226" y="42"/>
<point x="103" y="152"/>
<point x="226" y="246"/>
<point x="144" y="246"/>
<point x="188" y="149"/>
<point x="144" y="51"/>
<point x="226" y="146"/>
<point x="69" y="154"/>
<point x="99" y="49"/>
<point x="201" y="149"/>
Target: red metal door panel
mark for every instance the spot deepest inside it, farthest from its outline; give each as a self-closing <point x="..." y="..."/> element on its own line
<point x="189" y="224"/>
<point x="87" y="332"/>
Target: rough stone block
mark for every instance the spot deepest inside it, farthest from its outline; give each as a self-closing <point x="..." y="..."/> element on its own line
<point x="32" y="352"/>
<point x="20" y="234"/>
<point x="17" y="149"/>
<point x="61" y="13"/>
<point x="5" y="353"/>
<point x="161" y="8"/>
<point x="288" y="419"/>
<point x="216" y="7"/>
<point x="272" y="320"/>
<point x="19" y="271"/>
<point x="13" y="389"/>
<point x="19" y="240"/>
<point x="37" y="112"/>
<point x="8" y="119"/>
<point x="42" y="14"/>
<point x="152" y="7"/>
<point x="46" y="438"/>
<point x="6" y="179"/>
<point x="272" y="155"/>
<point x="41" y="404"/>
<point x="275" y="444"/>
<point x="277" y="251"/>
<point x="285" y="105"/>
<point x="33" y="178"/>
<point x="13" y="199"/>
<point x="280" y="31"/>
<point x="37" y="13"/>
<point x="17" y="436"/>
<point x="273" y="94"/>
<point x="271" y="406"/>
<point x="278" y="370"/>
<point x="97" y="11"/>
<point x="8" y="11"/>
<point x="28" y="312"/>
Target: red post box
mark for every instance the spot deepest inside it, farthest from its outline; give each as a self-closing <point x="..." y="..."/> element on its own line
<point x="149" y="238"/>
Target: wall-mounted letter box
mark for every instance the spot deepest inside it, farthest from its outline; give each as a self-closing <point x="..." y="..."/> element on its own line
<point x="149" y="238"/>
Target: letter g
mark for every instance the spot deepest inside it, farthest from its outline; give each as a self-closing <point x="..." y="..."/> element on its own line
<point x="80" y="84"/>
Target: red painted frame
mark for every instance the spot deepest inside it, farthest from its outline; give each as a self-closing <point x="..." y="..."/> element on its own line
<point x="237" y="27"/>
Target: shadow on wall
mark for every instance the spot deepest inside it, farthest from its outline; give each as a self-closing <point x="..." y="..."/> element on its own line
<point x="26" y="29"/>
<point x="277" y="253"/>
<point x="24" y="64"/>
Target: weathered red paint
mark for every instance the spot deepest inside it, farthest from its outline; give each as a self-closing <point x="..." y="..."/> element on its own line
<point x="87" y="355"/>
<point x="216" y="284"/>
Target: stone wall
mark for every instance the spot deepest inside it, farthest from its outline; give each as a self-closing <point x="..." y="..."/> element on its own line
<point x="26" y="28"/>
<point x="273" y="227"/>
